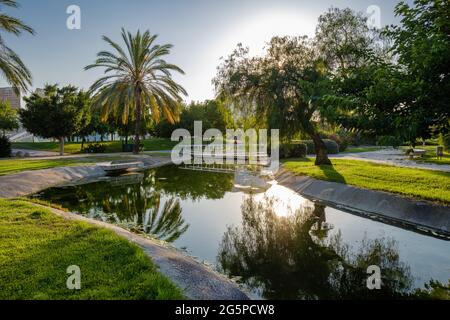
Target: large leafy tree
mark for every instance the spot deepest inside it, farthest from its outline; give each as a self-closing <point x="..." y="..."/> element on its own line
<point x="138" y="79"/>
<point x="212" y="113"/>
<point x="284" y="87"/>
<point x="8" y="117"/>
<point x="11" y="66"/>
<point x="407" y="95"/>
<point x="422" y="44"/>
<point x="57" y="114"/>
<point x="345" y="40"/>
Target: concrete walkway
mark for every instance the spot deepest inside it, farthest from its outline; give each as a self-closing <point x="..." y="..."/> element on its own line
<point x="393" y="157"/>
<point x="29" y="182"/>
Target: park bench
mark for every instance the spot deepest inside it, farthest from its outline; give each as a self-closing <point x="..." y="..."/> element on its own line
<point x="417" y="153"/>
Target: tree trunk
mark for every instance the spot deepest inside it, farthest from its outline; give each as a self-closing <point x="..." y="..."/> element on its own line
<point x="61" y="146"/>
<point x="138" y="103"/>
<point x="321" y="150"/>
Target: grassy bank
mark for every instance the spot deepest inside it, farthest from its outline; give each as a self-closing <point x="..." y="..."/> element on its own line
<point x="418" y="183"/>
<point x="37" y="247"/>
<point x="16" y="165"/>
<point x="154" y="144"/>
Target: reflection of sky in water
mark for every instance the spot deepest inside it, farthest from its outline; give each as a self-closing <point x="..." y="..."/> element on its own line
<point x="208" y="218"/>
<point x="426" y="256"/>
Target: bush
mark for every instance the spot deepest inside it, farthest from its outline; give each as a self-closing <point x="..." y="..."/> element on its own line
<point x="332" y="146"/>
<point x="341" y="140"/>
<point x="444" y="140"/>
<point x="95" y="148"/>
<point x="5" y="147"/>
<point x="389" y="141"/>
<point x="293" y="150"/>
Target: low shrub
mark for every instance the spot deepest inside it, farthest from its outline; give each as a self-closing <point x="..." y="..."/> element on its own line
<point x="341" y="140"/>
<point x="389" y="141"/>
<point x="444" y="140"/>
<point x="5" y="147"/>
<point x="95" y="148"/>
<point x="293" y="150"/>
<point x="332" y="146"/>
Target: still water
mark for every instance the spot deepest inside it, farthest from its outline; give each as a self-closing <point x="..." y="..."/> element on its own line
<point x="277" y="244"/>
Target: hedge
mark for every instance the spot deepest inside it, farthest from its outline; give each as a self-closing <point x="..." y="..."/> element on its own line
<point x="293" y="150"/>
<point x="332" y="146"/>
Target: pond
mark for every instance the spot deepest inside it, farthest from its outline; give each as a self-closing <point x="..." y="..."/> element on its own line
<point x="275" y="243"/>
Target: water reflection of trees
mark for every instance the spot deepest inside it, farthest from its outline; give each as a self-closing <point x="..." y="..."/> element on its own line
<point x="295" y="257"/>
<point x="195" y="185"/>
<point x="131" y="204"/>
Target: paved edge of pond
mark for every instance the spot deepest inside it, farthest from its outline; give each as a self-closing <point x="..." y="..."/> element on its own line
<point x="198" y="281"/>
<point x="28" y="182"/>
<point x="419" y="214"/>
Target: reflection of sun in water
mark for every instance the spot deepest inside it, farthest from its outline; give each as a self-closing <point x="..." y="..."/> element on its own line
<point x="286" y="201"/>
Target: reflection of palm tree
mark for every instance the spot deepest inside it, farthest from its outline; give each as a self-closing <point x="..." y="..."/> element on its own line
<point x="140" y="210"/>
<point x="135" y="206"/>
<point x="167" y="224"/>
<point x="286" y="258"/>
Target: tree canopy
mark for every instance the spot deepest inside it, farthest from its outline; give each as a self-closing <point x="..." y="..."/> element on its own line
<point x="8" y="117"/>
<point x="58" y="113"/>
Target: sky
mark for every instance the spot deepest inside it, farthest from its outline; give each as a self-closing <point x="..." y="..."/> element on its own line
<point x="202" y="31"/>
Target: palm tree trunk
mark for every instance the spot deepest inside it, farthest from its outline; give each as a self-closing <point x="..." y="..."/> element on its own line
<point x="138" y="102"/>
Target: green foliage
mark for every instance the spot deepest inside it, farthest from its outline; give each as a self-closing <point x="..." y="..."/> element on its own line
<point x="11" y="66"/>
<point x="422" y="46"/>
<point x="8" y="117"/>
<point x="444" y="140"/>
<point x="58" y="113"/>
<point x="212" y="113"/>
<point x="389" y="141"/>
<point x="137" y="80"/>
<point x="293" y="150"/>
<point x="95" y="148"/>
<point x="37" y="247"/>
<point x="332" y="146"/>
<point x="5" y="147"/>
<point x="344" y="39"/>
<point x="283" y="88"/>
<point x="435" y="290"/>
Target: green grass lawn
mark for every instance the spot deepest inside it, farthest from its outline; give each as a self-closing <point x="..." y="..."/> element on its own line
<point x="11" y="166"/>
<point x="418" y="183"/>
<point x="154" y="144"/>
<point x="430" y="156"/>
<point x="37" y="246"/>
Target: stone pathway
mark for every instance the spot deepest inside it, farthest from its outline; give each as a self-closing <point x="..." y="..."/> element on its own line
<point x="393" y="157"/>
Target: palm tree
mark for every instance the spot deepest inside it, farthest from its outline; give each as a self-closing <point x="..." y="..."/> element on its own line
<point x="12" y="67"/>
<point x="137" y="79"/>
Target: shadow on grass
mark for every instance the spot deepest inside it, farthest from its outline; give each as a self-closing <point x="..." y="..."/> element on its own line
<point x="331" y="173"/>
